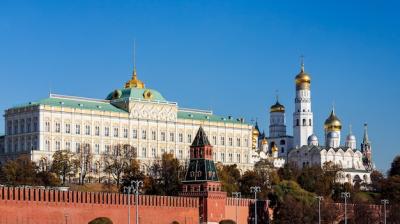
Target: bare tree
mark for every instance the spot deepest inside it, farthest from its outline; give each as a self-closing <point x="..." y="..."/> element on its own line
<point x="117" y="160"/>
<point x="83" y="161"/>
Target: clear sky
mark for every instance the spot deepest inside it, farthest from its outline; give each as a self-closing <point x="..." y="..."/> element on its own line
<point x="227" y="56"/>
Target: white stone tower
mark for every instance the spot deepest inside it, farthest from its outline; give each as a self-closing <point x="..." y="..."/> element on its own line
<point x="302" y="117"/>
<point x="332" y="127"/>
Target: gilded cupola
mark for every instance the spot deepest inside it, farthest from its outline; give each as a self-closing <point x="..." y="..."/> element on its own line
<point x="134" y="82"/>
<point x="277" y="107"/>
<point x="332" y="123"/>
<point x="303" y="80"/>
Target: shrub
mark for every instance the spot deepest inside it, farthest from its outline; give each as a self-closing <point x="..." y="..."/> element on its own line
<point x="101" y="220"/>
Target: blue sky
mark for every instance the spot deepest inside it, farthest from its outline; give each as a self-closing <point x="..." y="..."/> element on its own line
<point x="227" y="56"/>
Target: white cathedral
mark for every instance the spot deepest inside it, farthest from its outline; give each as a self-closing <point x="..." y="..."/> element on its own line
<point x="304" y="148"/>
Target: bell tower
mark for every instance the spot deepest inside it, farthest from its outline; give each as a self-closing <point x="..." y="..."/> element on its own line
<point x="202" y="181"/>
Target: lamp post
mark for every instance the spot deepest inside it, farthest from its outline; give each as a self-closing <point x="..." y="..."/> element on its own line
<point x="319" y="208"/>
<point x="345" y="195"/>
<point x="134" y="188"/>
<point x="384" y="202"/>
<point x="255" y="190"/>
<point x="237" y="195"/>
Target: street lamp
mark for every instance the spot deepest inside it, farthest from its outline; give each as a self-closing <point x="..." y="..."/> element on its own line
<point x="384" y="202"/>
<point x="255" y="190"/>
<point x="320" y="198"/>
<point x="345" y="195"/>
<point x="134" y="188"/>
<point x="237" y="195"/>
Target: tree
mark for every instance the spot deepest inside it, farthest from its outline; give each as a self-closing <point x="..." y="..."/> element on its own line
<point x="391" y="189"/>
<point x="21" y="171"/>
<point x="62" y="164"/>
<point x="289" y="171"/>
<point x="377" y="179"/>
<point x="82" y="162"/>
<point x="393" y="215"/>
<point x="395" y="167"/>
<point x="117" y="160"/>
<point x="133" y="172"/>
<point x="309" y="178"/>
<point x="363" y="213"/>
<point x="165" y="176"/>
<point x="229" y="176"/>
<point x="289" y="210"/>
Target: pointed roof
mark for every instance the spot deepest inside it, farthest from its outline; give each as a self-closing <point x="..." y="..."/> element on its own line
<point x="201" y="138"/>
<point x="365" y="138"/>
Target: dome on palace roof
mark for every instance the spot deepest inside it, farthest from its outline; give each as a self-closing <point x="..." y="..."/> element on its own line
<point x="136" y="93"/>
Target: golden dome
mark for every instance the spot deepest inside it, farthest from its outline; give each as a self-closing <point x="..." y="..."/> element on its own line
<point x="303" y="80"/>
<point x="333" y="123"/>
<point x="134" y="82"/>
<point x="264" y="141"/>
<point x="274" y="148"/>
<point x="277" y="107"/>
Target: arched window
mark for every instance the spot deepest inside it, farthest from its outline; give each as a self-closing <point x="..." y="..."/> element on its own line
<point x="297" y="122"/>
<point x="304" y="122"/>
<point x="282" y="142"/>
<point x="282" y="150"/>
<point x="310" y="122"/>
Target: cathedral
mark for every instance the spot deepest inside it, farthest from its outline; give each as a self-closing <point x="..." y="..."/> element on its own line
<point x="304" y="148"/>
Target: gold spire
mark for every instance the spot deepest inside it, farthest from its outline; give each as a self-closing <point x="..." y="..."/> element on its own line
<point x="134" y="82"/>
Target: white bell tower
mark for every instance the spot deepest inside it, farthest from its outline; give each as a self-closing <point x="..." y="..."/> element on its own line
<point x="302" y="117"/>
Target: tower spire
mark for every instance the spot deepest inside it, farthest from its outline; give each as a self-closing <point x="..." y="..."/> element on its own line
<point x="365" y="139"/>
<point x="277" y="95"/>
<point x="134" y="82"/>
<point x="302" y="63"/>
<point x="134" y="76"/>
<point x="350" y="129"/>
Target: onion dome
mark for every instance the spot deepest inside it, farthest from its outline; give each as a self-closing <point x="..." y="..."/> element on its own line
<point x="264" y="141"/>
<point x="333" y="123"/>
<point x="274" y="148"/>
<point x="350" y="137"/>
<point x="277" y="107"/>
<point x="303" y="80"/>
<point x="312" y="140"/>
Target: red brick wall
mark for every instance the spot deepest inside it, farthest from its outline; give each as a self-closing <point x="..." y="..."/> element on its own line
<point x="20" y="206"/>
<point x="243" y="206"/>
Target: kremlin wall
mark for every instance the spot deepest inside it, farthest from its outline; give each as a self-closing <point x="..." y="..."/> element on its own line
<point x="30" y="205"/>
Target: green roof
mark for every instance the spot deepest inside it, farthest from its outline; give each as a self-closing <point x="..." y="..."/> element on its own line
<point x="136" y="93"/>
<point x="74" y="103"/>
<point x="207" y="117"/>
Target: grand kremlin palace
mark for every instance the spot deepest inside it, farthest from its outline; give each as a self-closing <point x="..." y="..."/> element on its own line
<point x="133" y="115"/>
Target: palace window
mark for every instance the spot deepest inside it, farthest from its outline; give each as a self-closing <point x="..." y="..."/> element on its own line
<point x="246" y="142"/>
<point x="58" y="145"/>
<point x="87" y="130"/>
<point x="153" y="135"/>
<point x="230" y="157"/>
<point x="125" y="133"/>
<point x="222" y="140"/>
<point x="144" y="153"/>
<point x="107" y="131"/>
<point x="97" y="148"/>
<point x="189" y="138"/>
<point x="116" y="134"/>
<point x="9" y="128"/>
<point x="107" y="148"/>
<point x="47" y="145"/>
<point x="67" y="128"/>
<point x="214" y="156"/>
<point x="180" y="136"/>
<point x="171" y="136"/>
<point x="22" y="145"/>
<point x="238" y="158"/>
<point x="134" y="134"/>
<point x="68" y="146"/>
<point x="153" y="152"/>
<point x="238" y="142"/>
<point x="162" y="151"/>
<point x="180" y="154"/>
<point x="22" y="126"/>
<point x="163" y="136"/>
<point x="58" y="128"/>
<point x="97" y="131"/>
<point x="78" y="147"/>
<point x="214" y="139"/>
<point x="46" y="126"/>
<point x="77" y="129"/>
<point x="230" y="140"/>
<point x="35" y="124"/>
<point x="144" y="134"/>
<point x="222" y="157"/>
<point x="16" y="127"/>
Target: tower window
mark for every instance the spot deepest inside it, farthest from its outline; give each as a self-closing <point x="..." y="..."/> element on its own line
<point x="304" y="122"/>
<point x="297" y="122"/>
<point x="310" y="122"/>
<point x="282" y="142"/>
<point x="282" y="150"/>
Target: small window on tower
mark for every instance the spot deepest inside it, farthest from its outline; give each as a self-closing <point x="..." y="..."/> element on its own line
<point x="310" y="122"/>
<point x="297" y="122"/>
<point x="304" y="122"/>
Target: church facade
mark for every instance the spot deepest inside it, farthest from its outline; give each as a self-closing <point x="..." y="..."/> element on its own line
<point x="133" y="115"/>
